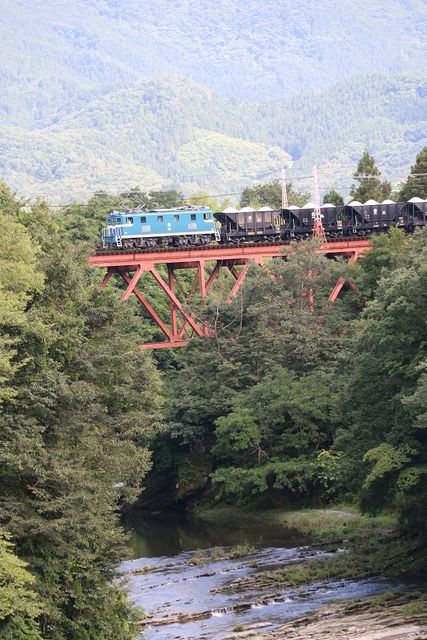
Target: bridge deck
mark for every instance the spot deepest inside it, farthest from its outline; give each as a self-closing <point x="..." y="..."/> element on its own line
<point x="178" y="255"/>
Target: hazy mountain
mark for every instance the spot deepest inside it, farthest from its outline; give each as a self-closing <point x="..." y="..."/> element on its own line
<point x="206" y="94"/>
<point x="56" y="52"/>
<point x="174" y="133"/>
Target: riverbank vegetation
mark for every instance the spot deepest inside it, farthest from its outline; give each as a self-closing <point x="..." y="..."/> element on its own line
<point x="390" y="617"/>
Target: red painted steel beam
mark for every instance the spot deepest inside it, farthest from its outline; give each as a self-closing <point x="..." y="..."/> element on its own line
<point x="132" y="284"/>
<point x="157" y="319"/>
<point x="175" y="300"/>
<point x="239" y="281"/>
<point x="179" y="257"/>
<point x="164" y="345"/>
<point x="106" y="278"/>
<point x="172" y="307"/>
<point x="203" y="291"/>
<point x="341" y="281"/>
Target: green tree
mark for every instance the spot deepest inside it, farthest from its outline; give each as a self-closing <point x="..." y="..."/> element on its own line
<point x="165" y="199"/>
<point x="75" y="432"/>
<point x="369" y="184"/>
<point x="333" y="197"/>
<point x="383" y="401"/>
<point x="20" y="278"/>
<point x="204" y="199"/>
<point x="264" y="409"/>
<point x="416" y="183"/>
<point x="275" y="430"/>
<point x="19" y="604"/>
<point x="271" y="195"/>
<point x="387" y="251"/>
<point x="83" y="222"/>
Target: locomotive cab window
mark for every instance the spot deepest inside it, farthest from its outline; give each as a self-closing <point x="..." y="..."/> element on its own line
<point x="193" y="216"/>
<point x="129" y="220"/>
<point x="207" y="216"/>
<point x="176" y="218"/>
<point x="159" y="218"/>
<point x="119" y="221"/>
<point x="143" y="219"/>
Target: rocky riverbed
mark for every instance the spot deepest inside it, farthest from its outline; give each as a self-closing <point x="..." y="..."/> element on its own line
<point x="232" y="591"/>
<point x="188" y="600"/>
<point x="361" y="620"/>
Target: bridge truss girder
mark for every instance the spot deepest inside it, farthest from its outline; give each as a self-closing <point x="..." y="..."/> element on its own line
<point x="207" y="264"/>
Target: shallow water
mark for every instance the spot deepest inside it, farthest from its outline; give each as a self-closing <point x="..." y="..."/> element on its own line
<point x="171" y="533"/>
<point x="172" y="585"/>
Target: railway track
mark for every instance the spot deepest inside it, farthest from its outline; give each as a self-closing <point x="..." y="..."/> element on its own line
<point x="101" y="251"/>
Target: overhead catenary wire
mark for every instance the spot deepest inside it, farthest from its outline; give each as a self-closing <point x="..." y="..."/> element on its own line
<point x="254" y="182"/>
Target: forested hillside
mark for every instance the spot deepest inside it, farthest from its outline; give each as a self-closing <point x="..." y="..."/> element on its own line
<point x="174" y="133"/>
<point x="254" y="51"/>
<point x="79" y="407"/>
<point x="287" y="406"/>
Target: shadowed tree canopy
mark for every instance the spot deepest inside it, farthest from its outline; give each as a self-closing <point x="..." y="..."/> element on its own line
<point x="333" y="197"/>
<point x="384" y="402"/>
<point x="80" y="407"/>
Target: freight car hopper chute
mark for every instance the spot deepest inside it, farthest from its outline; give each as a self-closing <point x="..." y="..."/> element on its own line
<point x="414" y="212"/>
<point x="375" y="216"/>
<point x="261" y="224"/>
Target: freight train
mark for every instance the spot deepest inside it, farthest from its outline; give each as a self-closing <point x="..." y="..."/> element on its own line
<point x="199" y="225"/>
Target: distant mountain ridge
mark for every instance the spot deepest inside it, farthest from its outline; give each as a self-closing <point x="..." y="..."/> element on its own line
<point x="54" y="52"/>
<point x="173" y="133"/>
<point x="197" y="94"/>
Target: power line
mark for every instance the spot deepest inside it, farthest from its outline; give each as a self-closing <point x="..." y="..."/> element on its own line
<point x="292" y="180"/>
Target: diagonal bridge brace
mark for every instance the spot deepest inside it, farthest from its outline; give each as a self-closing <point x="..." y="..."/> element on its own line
<point x="181" y="322"/>
<point x="172" y="297"/>
<point x="174" y="335"/>
<point x="342" y="281"/>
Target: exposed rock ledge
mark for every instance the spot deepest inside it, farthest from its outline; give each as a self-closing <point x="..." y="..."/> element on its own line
<point x="344" y="622"/>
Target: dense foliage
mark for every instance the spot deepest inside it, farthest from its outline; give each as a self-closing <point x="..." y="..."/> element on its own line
<point x="271" y="195"/>
<point x="333" y="197"/>
<point x="368" y="184"/>
<point x="261" y="412"/>
<point x="416" y="183"/>
<point x="292" y="399"/>
<point x="19" y="605"/>
<point x="303" y="400"/>
<point x="80" y="406"/>
<point x="384" y="401"/>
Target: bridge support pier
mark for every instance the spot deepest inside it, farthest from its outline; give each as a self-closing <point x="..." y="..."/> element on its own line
<point x="207" y="262"/>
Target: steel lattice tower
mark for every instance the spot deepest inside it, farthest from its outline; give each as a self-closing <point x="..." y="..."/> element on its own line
<point x="318" y="230"/>
<point x="284" y="189"/>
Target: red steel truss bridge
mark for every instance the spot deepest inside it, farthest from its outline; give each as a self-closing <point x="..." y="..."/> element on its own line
<point x="207" y="263"/>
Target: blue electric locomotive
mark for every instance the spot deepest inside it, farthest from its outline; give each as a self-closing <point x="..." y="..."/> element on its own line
<point x="160" y="227"/>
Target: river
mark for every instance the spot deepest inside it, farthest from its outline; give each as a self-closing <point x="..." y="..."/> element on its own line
<point x="163" y="580"/>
